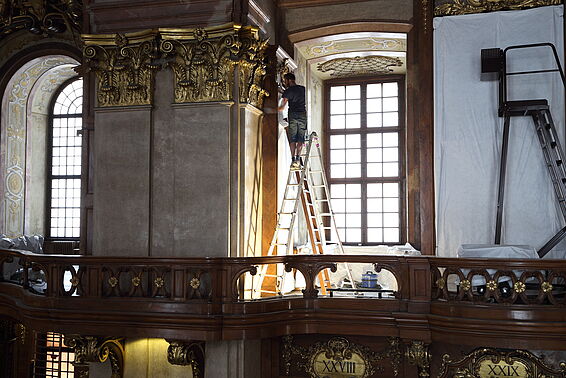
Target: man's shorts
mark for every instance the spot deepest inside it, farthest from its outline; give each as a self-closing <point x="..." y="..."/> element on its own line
<point x="297" y="128"/>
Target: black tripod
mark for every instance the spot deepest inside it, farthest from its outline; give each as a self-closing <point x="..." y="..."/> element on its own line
<point x="495" y="60"/>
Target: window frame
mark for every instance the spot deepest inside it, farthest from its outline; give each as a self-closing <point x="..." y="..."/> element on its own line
<point x="49" y="161"/>
<point x="363" y="81"/>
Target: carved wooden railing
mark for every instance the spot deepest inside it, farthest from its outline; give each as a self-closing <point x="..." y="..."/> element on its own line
<point x="499" y="281"/>
<point x="207" y="298"/>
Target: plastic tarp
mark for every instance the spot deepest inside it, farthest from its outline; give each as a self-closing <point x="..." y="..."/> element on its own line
<point x="468" y="132"/>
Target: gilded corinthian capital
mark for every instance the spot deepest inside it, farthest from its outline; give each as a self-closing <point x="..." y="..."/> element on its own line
<point x="207" y="62"/>
<point x="124" y="67"/>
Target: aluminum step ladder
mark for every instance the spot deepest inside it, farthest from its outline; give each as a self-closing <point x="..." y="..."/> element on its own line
<point x="309" y="187"/>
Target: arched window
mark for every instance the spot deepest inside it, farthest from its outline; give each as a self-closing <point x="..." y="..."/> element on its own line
<point x="64" y="162"/>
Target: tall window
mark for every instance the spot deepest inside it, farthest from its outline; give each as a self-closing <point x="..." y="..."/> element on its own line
<point x="52" y="358"/>
<point x="64" y="163"/>
<point x="364" y="145"/>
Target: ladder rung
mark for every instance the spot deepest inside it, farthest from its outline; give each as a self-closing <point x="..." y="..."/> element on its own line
<point x="285" y="213"/>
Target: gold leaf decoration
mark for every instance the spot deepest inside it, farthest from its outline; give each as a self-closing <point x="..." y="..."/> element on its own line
<point x="491" y="285"/>
<point x="204" y="63"/>
<point x="546" y="287"/>
<point x="459" y="7"/>
<point x="366" y="65"/>
<point x="124" y="67"/>
<point x="40" y="17"/>
<point x="465" y="285"/>
<point x="519" y="287"/>
<point x="195" y="283"/>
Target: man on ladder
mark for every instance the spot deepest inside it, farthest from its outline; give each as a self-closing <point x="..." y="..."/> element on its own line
<point x="297" y="117"/>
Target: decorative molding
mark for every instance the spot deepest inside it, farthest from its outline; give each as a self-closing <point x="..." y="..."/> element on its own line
<point x="204" y="63"/>
<point x="417" y="354"/>
<point x="89" y="349"/>
<point x="459" y="7"/>
<point x="487" y="362"/>
<point x="366" y="65"/>
<point x="40" y="17"/>
<point x="338" y="355"/>
<point x="187" y="353"/>
<point x="124" y="67"/>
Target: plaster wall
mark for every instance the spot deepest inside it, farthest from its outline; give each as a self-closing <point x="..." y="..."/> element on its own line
<point x="121" y="182"/>
<point x="147" y="358"/>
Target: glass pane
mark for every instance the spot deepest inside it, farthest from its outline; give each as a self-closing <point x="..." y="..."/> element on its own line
<point x="374" y="105"/>
<point x="374" y="155"/>
<point x="391" y="154"/>
<point x="337" y="170"/>
<point x="353" y="220"/>
<point x="353" y="190"/>
<point x="337" y="156"/>
<point x="337" y="93"/>
<point x="390" y="89"/>
<point x="374" y="120"/>
<point x="390" y="119"/>
<point x="353" y="141"/>
<point x="374" y="190"/>
<point x="391" y="190"/>
<point x="390" y="104"/>
<point x="352" y="106"/>
<point x="337" y="121"/>
<point x="391" y="235"/>
<point x="374" y="170"/>
<point x="353" y="121"/>
<point x="337" y="107"/>
<point x="353" y="205"/>
<point x="340" y="220"/>
<point x="337" y="141"/>
<point x="339" y="205"/>
<point x="375" y="235"/>
<point x="391" y="205"/>
<point x="338" y="191"/>
<point x="353" y="170"/>
<point x="352" y="91"/>
<point x="353" y="235"/>
<point x="390" y="139"/>
<point x="375" y="220"/>
<point x="375" y="205"/>
<point x="374" y="90"/>
<point x="353" y="156"/>
<point x="391" y="219"/>
<point x="390" y="169"/>
<point x="374" y="140"/>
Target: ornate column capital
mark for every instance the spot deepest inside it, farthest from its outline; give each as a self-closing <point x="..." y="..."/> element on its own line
<point x="187" y="353"/>
<point x="204" y="63"/>
<point x="124" y="68"/>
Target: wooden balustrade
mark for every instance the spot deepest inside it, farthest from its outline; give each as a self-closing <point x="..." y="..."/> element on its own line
<point x="453" y="300"/>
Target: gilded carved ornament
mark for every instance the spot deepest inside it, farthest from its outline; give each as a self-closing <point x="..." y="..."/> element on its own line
<point x="459" y="7"/>
<point x="339" y="356"/>
<point x="187" y="353"/>
<point x="417" y="354"/>
<point x="40" y="16"/>
<point x="487" y="362"/>
<point x="124" y="67"/>
<point x="204" y="62"/>
<point x="360" y="65"/>
<point x="90" y="349"/>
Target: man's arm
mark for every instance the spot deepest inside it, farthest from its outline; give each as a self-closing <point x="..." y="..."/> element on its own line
<point x="283" y="103"/>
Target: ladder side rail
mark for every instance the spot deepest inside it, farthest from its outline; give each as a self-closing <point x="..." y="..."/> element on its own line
<point x="299" y="192"/>
<point x="543" y="44"/>
<point x="551" y="156"/>
<point x="557" y="149"/>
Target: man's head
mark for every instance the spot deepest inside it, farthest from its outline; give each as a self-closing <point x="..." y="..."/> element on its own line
<point x="289" y="79"/>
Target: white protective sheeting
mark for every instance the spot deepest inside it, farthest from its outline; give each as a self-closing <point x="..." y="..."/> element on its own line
<point x="468" y="132"/>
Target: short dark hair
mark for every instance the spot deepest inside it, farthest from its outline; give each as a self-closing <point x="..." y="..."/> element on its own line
<point x="290" y="76"/>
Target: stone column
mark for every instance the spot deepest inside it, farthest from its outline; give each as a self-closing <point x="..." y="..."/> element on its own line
<point x="177" y="149"/>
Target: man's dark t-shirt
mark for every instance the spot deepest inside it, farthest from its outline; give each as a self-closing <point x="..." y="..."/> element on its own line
<point x="295" y="95"/>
